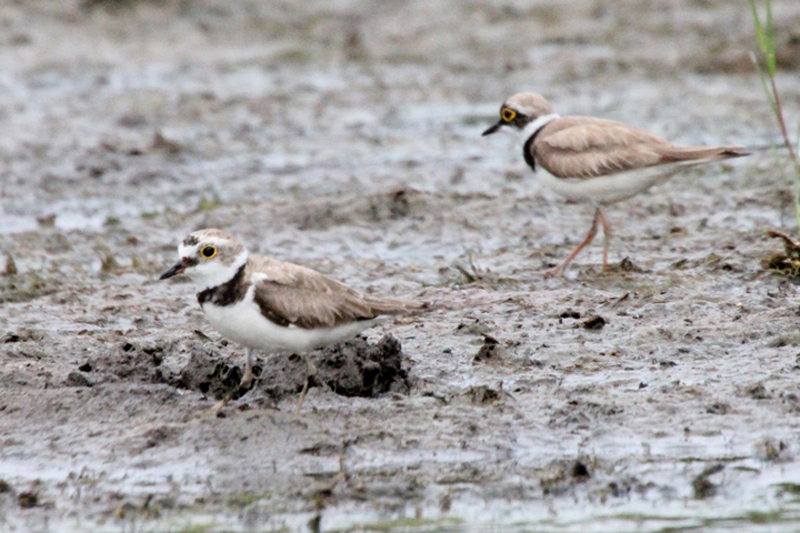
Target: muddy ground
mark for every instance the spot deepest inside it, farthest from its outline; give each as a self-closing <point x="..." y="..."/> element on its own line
<point x="346" y="136"/>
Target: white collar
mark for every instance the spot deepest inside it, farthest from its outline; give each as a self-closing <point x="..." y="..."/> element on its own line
<point x="534" y="126"/>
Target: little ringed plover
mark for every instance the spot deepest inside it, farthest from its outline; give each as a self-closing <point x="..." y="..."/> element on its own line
<point x="271" y="305"/>
<point x="595" y="160"/>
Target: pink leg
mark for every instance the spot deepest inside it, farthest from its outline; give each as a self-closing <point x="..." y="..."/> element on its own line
<point x="606" y="235"/>
<point x="557" y="271"/>
<point x="247" y="376"/>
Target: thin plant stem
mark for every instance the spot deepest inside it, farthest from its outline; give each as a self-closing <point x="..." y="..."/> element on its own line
<point x="766" y="42"/>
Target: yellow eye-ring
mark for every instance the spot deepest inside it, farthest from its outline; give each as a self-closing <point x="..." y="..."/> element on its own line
<point x="208" y="252"/>
<point x="507" y="114"/>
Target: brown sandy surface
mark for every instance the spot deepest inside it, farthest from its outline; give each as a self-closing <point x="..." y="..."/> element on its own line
<point x="346" y="136"/>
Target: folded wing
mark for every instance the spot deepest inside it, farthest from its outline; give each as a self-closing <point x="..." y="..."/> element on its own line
<point x="587" y="147"/>
<point x="290" y="294"/>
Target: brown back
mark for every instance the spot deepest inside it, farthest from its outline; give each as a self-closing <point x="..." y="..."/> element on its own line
<point x="588" y="147"/>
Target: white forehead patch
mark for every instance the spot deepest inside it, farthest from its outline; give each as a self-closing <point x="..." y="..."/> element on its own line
<point x="187" y="251"/>
<point x="215" y="271"/>
<point x="194" y="249"/>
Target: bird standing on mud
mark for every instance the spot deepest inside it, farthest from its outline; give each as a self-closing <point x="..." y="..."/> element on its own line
<point x="594" y="160"/>
<point x="271" y="305"/>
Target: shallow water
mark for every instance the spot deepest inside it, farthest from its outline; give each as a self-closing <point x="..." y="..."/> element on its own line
<point x="352" y="144"/>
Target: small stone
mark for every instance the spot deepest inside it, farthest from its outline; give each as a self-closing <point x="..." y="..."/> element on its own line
<point x="490" y="349"/>
<point x="594" y="323"/>
<point x="77" y="379"/>
<point x="28" y="500"/>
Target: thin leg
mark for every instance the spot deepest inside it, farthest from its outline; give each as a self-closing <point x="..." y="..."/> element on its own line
<point x="557" y="271"/>
<point x="606" y="235"/>
<point x="311" y="371"/>
<point x="244" y="383"/>
<point x="247" y="376"/>
<point x="220" y="405"/>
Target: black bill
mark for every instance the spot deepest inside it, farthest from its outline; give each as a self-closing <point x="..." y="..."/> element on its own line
<point x="174" y="271"/>
<point x="493" y="129"/>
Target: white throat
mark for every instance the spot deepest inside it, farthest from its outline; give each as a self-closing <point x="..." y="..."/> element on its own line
<point x="537" y="124"/>
<point x="213" y="273"/>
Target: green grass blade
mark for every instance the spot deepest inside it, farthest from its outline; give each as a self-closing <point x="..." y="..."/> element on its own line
<point x="762" y="43"/>
<point x="765" y="35"/>
<point x="771" y="62"/>
<point x="762" y="77"/>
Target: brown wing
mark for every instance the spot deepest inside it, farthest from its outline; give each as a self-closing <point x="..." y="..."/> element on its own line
<point x="587" y="147"/>
<point x="291" y="294"/>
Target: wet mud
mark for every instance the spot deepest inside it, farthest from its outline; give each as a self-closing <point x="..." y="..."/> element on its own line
<point x="351" y="368"/>
<point x="658" y="394"/>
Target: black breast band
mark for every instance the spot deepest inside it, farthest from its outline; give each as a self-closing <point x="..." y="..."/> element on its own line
<point x="228" y="293"/>
<point x="527" y="151"/>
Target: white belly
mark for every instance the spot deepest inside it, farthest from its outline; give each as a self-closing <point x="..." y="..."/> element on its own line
<point x="607" y="189"/>
<point x="244" y="323"/>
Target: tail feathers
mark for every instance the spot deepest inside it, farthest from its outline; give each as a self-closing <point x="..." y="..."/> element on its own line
<point x="703" y="154"/>
<point x="735" y="151"/>
<point x="393" y="306"/>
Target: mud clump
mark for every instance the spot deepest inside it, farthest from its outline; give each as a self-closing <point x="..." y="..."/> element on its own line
<point x="787" y="263"/>
<point x="78" y="379"/>
<point x="209" y="373"/>
<point x="357" y="368"/>
<point x="28" y="500"/>
<point x="484" y="395"/>
<point x="351" y="368"/>
<point x="489" y="350"/>
<point x="129" y="361"/>
<point x="594" y="323"/>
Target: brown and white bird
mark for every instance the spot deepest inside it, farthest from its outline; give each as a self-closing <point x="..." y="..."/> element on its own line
<point x="594" y="160"/>
<point x="271" y="305"/>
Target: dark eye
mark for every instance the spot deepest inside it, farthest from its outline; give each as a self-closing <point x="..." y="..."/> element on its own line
<point x="208" y="252"/>
<point x="508" y="114"/>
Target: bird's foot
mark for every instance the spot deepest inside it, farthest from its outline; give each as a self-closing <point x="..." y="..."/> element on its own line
<point x="220" y="405"/>
<point x="552" y="272"/>
<point x="247" y="379"/>
<point x="302" y="397"/>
